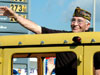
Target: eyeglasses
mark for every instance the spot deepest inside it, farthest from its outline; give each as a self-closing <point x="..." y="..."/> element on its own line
<point x="79" y="21"/>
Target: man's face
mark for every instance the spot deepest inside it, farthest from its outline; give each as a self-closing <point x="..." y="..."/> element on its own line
<point x="78" y="24"/>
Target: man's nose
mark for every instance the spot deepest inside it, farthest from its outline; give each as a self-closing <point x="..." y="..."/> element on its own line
<point x="75" y="23"/>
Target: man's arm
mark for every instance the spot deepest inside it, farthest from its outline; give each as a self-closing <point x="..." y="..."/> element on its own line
<point x="5" y="11"/>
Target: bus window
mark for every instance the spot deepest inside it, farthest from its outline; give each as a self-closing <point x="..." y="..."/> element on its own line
<point x="49" y="63"/>
<point x="24" y="66"/>
<point x="37" y="63"/>
<point x="97" y="63"/>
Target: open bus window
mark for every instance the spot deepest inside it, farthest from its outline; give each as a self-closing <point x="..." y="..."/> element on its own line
<point x="24" y="66"/>
<point x="97" y="63"/>
<point x="37" y="63"/>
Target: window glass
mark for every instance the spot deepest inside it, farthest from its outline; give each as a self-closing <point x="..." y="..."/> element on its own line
<point x="48" y="63"/>
<point x="25" y="66"/>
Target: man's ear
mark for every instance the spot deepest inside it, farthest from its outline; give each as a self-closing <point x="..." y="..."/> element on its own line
<point x="88" y="25"/>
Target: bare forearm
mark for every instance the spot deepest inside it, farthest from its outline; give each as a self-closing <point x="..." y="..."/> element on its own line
<point x="28" y="24"/>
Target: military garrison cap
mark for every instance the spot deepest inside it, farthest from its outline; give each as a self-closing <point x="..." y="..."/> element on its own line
<point x="82" y="13"/>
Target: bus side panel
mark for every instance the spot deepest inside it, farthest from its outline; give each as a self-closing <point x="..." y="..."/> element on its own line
<point x="1" y="62"/>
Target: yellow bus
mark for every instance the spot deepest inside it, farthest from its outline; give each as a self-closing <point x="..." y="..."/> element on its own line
<point x="26" y="53"/>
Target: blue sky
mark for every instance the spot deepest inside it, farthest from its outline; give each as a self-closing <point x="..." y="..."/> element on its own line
<point x="56" y="14"/>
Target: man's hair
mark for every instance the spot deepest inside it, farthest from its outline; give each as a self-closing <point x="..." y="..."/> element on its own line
<point x="87" y="21"/>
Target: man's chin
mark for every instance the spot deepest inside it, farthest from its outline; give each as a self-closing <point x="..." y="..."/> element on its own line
<point x="75" y="31"/>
